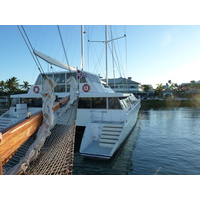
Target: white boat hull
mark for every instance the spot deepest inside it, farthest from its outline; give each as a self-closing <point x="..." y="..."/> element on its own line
<point x="102" y="140"/>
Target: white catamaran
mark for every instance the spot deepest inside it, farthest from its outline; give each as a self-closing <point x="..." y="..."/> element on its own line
<point x="108" y="117"/>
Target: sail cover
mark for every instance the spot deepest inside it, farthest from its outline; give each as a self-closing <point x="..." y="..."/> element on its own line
<point x="53" y="61"/>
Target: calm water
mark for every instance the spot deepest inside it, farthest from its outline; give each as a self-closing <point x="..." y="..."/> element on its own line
<point x="165" y="141"/>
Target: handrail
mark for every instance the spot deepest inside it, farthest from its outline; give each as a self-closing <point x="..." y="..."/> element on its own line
<point x="15" y="135"/>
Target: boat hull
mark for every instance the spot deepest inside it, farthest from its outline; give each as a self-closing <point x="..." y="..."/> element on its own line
<point x="92" y="146"/>
<point x="128" y="128"/>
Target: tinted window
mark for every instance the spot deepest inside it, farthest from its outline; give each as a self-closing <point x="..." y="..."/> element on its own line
<point x="92" y="103"/>
<point x="113" y="103"/>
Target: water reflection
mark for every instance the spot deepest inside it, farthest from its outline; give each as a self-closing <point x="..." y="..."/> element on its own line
<point x="164" y="141"/>
<point x="119" y="164"/>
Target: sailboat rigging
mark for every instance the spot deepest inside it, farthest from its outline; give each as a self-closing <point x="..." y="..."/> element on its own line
<point x="105" y="117"/>
<point x="38" y="109"/>
<point x="106" y="41"/>
<point x="112" y="119"/>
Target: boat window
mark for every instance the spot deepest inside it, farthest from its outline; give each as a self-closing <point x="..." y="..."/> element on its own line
<point x="92" y="103"/>
<point x="49" y="76"/>
<point x="83" y="80"/>
<point x="132" y="99"/>
<point x="84" y="103"/>
<point x="113" y="87"/>
<point x="73" y="74"/>
<point x="68" y="88"/>
<point x="113" y="103"/>
<point x="128" y="101"/>
<point x="59" y="88"/>
<point x="123" y="102"/>
<point x="93" y="78"/>
<point x="59" y="78"/>
<point x="39" y="80"/>
<point x="32" y="102"/>
<point x="15" y="101"/>
<point x="99" y="102"/>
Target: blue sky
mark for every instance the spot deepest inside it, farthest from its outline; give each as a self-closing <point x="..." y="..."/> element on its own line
<point x="150" y="54"/>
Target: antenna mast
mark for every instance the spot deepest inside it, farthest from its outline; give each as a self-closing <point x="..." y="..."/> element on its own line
<point x="106" y="46"/>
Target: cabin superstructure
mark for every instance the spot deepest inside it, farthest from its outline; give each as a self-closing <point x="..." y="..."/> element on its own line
<point x="107" y="117"/>
<point x="88" y="83"/>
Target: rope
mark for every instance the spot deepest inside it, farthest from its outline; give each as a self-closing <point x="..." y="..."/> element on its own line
<point x="63" y="46"/>
<point x="28" y="44"/>
<point x="57" y="154"/>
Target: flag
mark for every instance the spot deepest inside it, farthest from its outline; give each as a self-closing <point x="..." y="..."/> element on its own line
<point x="81" y="74"/>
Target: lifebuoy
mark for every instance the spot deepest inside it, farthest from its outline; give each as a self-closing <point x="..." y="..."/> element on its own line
<point x="36" y="89"/>
<point x="86" y="88"/>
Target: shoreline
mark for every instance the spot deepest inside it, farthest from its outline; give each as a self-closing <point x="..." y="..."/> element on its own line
<point x="193" y="103"/>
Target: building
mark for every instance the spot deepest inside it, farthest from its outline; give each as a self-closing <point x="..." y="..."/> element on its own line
<point x="168" y="93"/>
<point x="126" y="86"/>
<point x="188" y="90"/>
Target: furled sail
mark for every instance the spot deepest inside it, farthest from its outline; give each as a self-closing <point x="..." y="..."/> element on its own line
<point x="53" y="61"/>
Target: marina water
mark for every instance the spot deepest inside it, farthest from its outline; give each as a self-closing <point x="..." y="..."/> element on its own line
<point x="164" y="142"/>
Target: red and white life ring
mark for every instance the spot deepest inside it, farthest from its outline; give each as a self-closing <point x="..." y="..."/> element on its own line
<point x="86" y="88"/>
<point x="36" y="89"/>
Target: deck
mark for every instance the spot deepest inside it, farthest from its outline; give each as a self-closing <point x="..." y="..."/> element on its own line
<point x="97" y="151"/>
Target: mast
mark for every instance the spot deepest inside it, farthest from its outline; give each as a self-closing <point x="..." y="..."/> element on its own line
<point x="106" y="46"/>
<point x="82" y="46"/>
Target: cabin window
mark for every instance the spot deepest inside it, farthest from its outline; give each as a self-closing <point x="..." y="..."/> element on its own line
<point x="128" y="102"/>
<point x="84" y="103"/>
<point x="95" y="103"/>
<point x="15" y="101"/>
<point x="123" y="102"/>
<point x="49" y="76"/>
<point x="83" y="80"/>
<point x="59" y="78"/>
<point x="99" y="102"/>
<point x="132" y="99"/>
<point x="113" y="103"/>
<point x="32" y="102"/>
<point x="92" y="103"/>
<point x="59" y="88"/>
<point x="39" y="80"/>
<point x="93" y="78"/>
<point x="113" y="87"/>
<point x="73" y="74"/>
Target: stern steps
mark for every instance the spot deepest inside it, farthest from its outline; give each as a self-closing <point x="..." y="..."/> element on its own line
<point x="110" y="134"/>
<point x="5" y="122"/>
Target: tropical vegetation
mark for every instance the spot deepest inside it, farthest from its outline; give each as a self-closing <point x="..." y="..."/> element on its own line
<point x="12" y="86"/>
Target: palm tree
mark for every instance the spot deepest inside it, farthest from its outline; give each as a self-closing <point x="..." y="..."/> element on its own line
<point x="2" y="87"/>
<point x="159" y="90"/>
<point x="12" y="84"/>
<point x="172" y="86"/>
<point x="25" y="86"/>
<point x="146" y="89"/>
